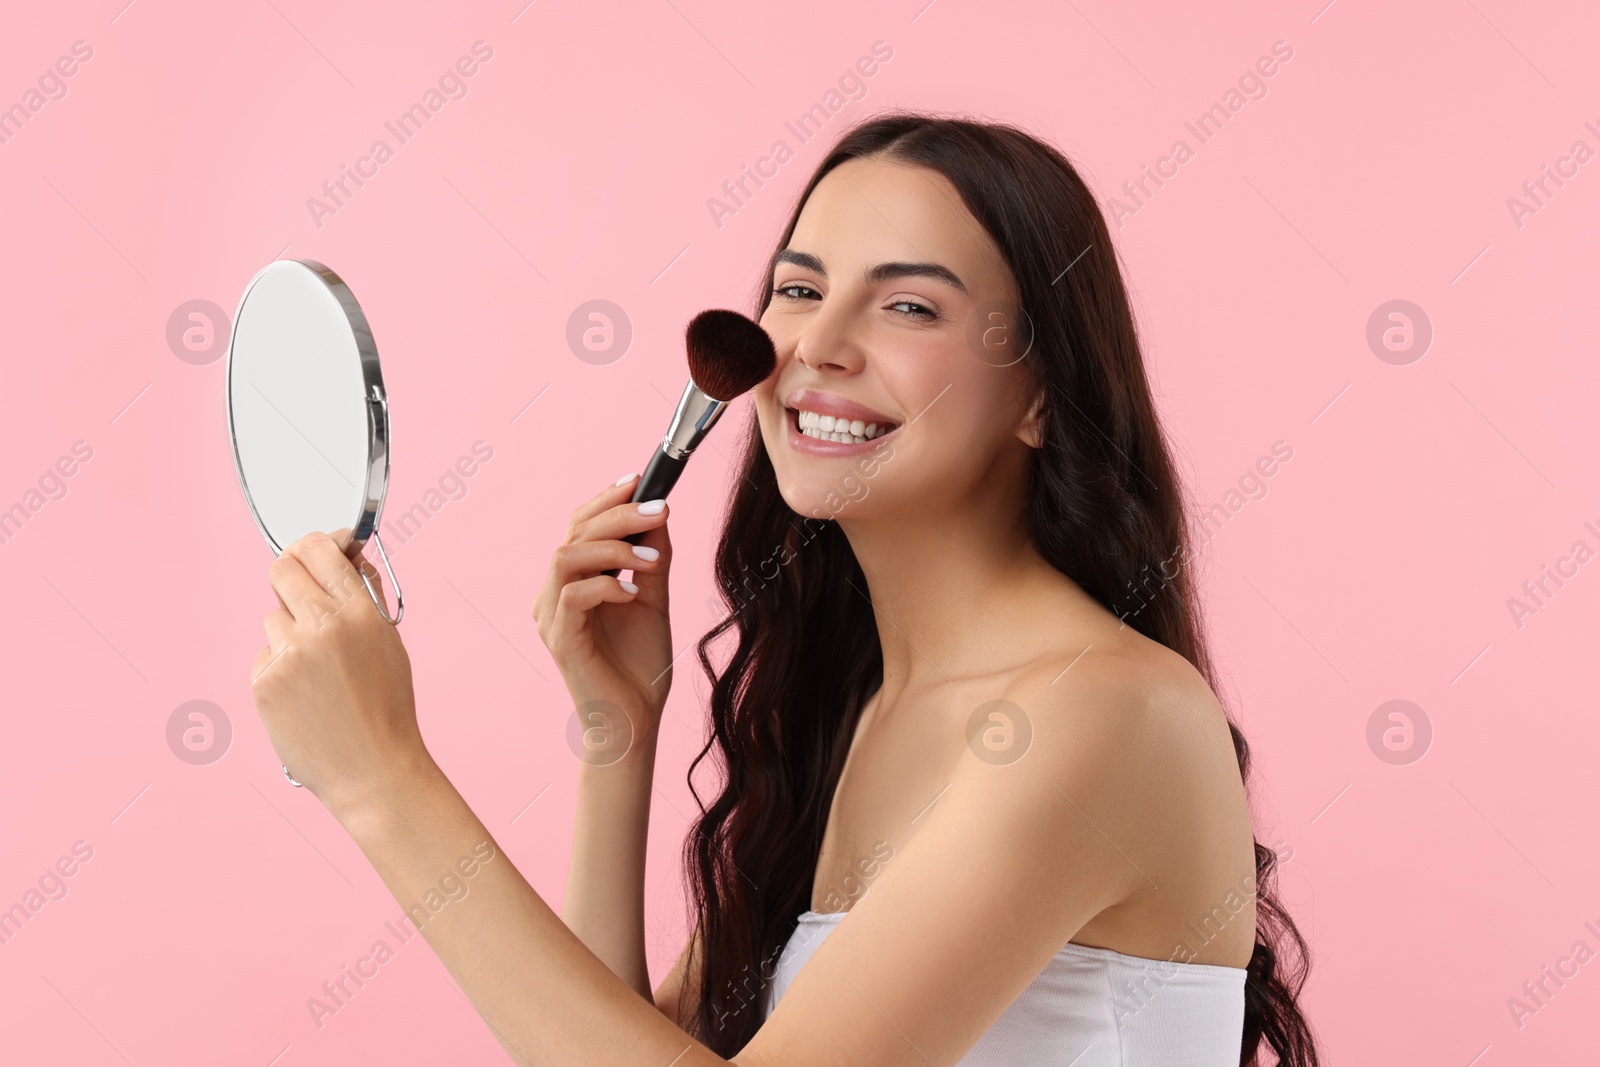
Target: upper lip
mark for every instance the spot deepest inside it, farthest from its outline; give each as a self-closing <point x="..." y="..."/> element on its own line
<point x="837" y="406"/>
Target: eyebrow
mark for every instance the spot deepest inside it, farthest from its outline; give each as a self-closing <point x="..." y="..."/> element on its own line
<point x="882" y="272"/>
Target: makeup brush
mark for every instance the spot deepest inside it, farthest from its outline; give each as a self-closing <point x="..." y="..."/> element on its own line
<point x="728" y="356"/>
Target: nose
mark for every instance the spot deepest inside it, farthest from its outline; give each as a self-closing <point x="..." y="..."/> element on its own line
<point x="829" y="344"/>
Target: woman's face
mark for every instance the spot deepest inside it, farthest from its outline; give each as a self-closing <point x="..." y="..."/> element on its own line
<point x="890" y="312"/>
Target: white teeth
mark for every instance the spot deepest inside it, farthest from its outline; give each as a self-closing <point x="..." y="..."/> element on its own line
<point x="845" y="431"/>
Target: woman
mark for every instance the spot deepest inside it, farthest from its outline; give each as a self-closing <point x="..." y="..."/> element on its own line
<point x="980" y="802"/>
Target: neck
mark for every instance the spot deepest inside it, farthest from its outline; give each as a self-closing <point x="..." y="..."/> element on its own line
<point x="953" y="587"/>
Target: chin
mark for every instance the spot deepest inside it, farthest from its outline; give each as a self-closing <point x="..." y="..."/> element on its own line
<point x="825" y="487"/>
<point x="818" y="495"/>
<point x="809" y="498"/>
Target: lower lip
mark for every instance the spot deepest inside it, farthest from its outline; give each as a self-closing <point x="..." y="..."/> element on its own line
<point x="816" y="446"/>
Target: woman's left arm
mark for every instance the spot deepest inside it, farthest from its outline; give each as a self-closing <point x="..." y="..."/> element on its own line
<point x="333" y="689"/>
<point x="1006" y="868"/>
<point x="544" y="993"/>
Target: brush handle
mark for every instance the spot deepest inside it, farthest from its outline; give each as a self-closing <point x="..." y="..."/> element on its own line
<point x="657" y="481"/>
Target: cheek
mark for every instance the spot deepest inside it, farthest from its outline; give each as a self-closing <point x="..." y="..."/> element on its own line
<point x="965" y="427"/>
<point x="955" y="393"/>
<point x="783" y="329"/>
<point x="767" y="409"/>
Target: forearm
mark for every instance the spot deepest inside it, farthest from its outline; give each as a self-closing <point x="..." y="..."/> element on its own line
<point x="604" y="901"/>
<point x="541" y="990"/>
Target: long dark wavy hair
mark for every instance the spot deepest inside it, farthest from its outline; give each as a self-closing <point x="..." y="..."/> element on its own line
<point x="1105" y="509"/>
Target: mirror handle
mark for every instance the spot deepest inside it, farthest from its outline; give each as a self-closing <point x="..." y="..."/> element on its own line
<point x="399" y="597"/>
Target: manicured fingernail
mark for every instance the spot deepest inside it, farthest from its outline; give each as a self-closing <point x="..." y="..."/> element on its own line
<point x="629" y="586"/>
<point x="626" y="478"/>
<point x="652" y="507"/>
<point x="646" y="552"/>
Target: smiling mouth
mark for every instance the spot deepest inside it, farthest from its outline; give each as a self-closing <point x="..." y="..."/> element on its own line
<point x="844" y="431"/>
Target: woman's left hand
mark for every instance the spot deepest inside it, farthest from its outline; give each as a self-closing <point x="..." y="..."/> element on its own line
<point x="333" y="684"/>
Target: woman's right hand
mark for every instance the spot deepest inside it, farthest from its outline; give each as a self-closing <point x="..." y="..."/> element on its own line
<point x="609" y="642"/>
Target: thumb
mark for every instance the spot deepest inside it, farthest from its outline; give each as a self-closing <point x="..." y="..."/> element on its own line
<point x="370" y="572"/>
<point x="374" y="578"/>
<point x="343" y="537"/>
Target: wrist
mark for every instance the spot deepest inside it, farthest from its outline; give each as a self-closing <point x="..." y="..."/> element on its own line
<point x="603" y="733"/>
<point x="623" y="760"/>
<point x="378" y="802"/>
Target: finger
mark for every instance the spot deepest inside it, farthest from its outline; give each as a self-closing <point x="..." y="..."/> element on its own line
<point x="326" y="562"/>
<point x="652" y="577"/>
<point x="619" y="521"/>
<point x="577" y="561"/>
<point x="369" y="571"/>
<point x="344" y="538"/>
<point x="578" y="599"/>
<point x="297" y="590"/>
<point x="610" y="496"/>
<point x="374" y="579"/>
<point x="585" y="559"/>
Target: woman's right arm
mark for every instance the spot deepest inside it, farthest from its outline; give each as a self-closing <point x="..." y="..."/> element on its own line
<point x="614" y="650"/>
<point x="604" y="901"/>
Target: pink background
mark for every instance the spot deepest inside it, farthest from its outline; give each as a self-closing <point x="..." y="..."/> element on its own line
<point x="1377" y="566"/>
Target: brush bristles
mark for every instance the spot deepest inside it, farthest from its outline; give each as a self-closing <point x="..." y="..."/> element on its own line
<point x="728" y="353"/>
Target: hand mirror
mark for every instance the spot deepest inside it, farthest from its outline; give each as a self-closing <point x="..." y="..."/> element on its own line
<point x="307" y="411"/>
<point x="308" y="415"/>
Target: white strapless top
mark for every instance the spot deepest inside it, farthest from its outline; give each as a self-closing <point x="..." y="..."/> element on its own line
<point x="1089" y="1007"/>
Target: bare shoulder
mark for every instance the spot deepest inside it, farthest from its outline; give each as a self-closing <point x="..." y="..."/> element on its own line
<point x="1128" y="690"/>
<point x="1135" y="737"/>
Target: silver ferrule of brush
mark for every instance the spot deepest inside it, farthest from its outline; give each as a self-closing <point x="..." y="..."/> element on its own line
<point x="695" y="416"/>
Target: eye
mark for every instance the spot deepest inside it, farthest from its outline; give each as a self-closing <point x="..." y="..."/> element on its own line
<point x="918" y="311"/>
<point x="786" y="292"/>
